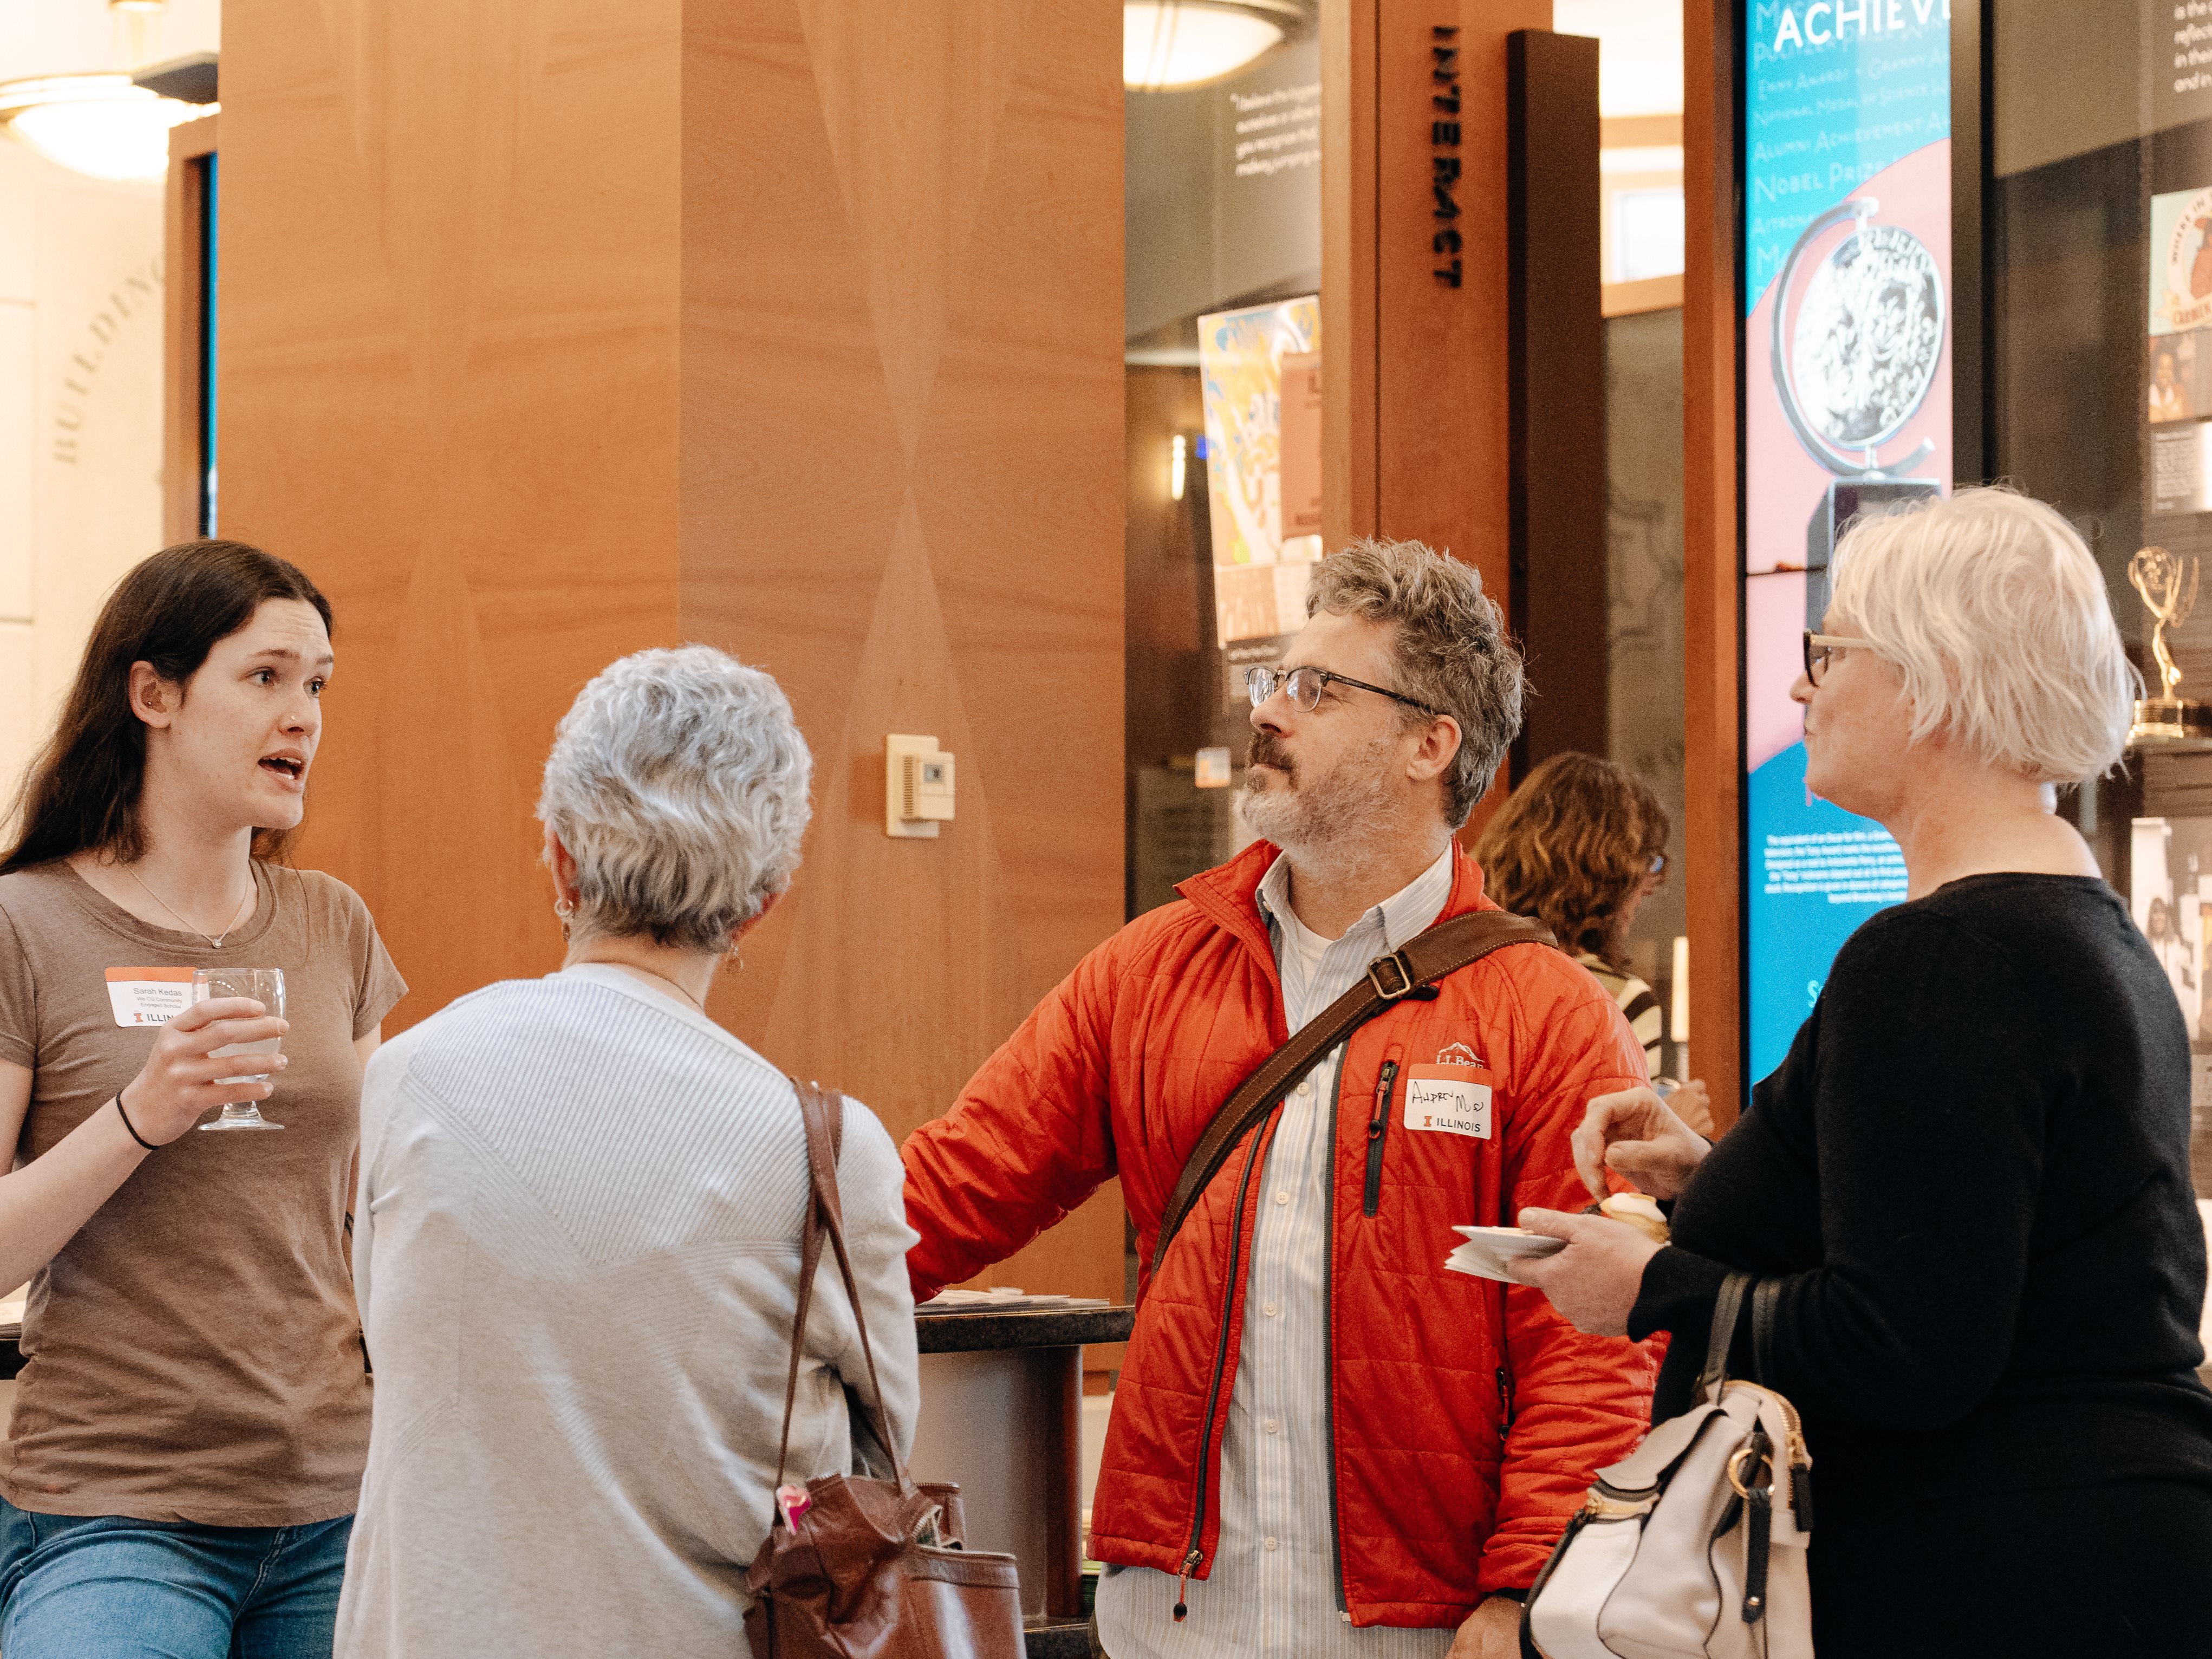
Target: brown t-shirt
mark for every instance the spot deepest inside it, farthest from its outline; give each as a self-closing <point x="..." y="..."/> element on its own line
<point x="193" y="1353"/>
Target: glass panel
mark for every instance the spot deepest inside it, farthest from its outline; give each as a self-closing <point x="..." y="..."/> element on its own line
<point x="211" y="168"/>
<point x="1644" y="590"/>
<point x="1222" y="264"/>
<point x="2101" y="385"/>
<point x="2099" y="221"/>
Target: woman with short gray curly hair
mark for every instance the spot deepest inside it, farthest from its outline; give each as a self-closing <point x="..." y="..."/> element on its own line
<point x="674" y="801"/>
<point x="576" y="1236"/>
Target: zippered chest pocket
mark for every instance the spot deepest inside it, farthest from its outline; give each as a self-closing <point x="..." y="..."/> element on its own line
<point x="1378" y="1130"/>
<point x="1435" y="1126"/>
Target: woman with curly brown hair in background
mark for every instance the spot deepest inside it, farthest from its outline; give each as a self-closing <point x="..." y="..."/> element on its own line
<point x="1579" y="845"/>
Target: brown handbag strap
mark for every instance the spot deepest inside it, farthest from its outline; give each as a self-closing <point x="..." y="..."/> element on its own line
<point x="1444" y="949"/>
<point x="822" y="1113"/>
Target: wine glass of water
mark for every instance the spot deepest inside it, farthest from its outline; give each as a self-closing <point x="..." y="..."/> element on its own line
<point x="266" y="986"/>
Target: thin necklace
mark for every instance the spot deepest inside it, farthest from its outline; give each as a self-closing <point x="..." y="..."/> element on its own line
<point x="631" y="967"/>
<point x="214" y="941"/>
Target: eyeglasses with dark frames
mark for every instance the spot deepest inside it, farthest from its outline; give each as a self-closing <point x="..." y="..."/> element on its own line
<point x="1304" y="686"/>
<point x="1819" y="647"/>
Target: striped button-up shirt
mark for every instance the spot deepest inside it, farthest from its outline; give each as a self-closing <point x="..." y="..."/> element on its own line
<point x="1274" y="1587"/>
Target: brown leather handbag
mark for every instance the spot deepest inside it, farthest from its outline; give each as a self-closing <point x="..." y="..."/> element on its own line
<point x="874" y="1569"/>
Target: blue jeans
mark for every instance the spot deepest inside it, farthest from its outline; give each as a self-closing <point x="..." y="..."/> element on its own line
<point x="106" y="1587"/>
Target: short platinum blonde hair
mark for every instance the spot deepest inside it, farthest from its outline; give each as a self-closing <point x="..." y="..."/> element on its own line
<point x="1451" y="648"/>
<point x="678" y="783"/>
<point x="1994" y="611"/>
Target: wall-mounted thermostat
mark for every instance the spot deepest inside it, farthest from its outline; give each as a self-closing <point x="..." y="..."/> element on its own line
<point x="917" y="785"/>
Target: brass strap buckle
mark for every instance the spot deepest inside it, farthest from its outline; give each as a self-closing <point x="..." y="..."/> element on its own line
<point x="1396" y="962"/>
<point x="1746" y="1455"/>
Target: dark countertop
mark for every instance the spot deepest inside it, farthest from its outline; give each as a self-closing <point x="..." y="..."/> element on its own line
<point x="975" y="1333"/>
<point x="1047" y="1327"/>
<point x="1058" y="1639"/>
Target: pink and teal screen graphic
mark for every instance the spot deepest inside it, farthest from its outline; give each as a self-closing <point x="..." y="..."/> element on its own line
<point x="1847" y="410"/>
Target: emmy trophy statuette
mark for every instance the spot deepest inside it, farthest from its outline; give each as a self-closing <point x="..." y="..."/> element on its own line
<point x="2167" y="582"/>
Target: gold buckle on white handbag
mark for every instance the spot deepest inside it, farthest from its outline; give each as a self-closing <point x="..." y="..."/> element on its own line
<point x="1735" y="1465"/>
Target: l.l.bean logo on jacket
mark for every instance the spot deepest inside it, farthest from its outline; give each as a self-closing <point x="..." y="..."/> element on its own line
<point x="1451" y="1096"/>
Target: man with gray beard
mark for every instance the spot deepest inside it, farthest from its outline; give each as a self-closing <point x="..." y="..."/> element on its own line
<point x="1324" y="1443"/>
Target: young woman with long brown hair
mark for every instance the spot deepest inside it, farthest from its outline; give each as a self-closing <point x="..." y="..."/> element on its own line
<point x="191" y="1419"/>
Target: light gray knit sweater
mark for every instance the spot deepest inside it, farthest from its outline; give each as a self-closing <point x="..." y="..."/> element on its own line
<point x="575" y="1251"/>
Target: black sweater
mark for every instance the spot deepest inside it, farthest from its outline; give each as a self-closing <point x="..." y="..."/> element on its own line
<point x="1972" y="1170"/>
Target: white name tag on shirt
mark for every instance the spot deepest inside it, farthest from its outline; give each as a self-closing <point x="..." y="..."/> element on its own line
<point x="149" y="996"/>
<point x="1454" y="1100"/>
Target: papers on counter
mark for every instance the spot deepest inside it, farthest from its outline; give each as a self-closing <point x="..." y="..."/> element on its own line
<point x="1003" y="1300"/>
<point x="1488" y="1249"/>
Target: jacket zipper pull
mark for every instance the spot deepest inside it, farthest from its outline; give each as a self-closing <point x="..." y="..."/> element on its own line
<point x="1376" y="1126"/>
<point x="1189" y="1562"/>
<point x="1505" y="1396"/>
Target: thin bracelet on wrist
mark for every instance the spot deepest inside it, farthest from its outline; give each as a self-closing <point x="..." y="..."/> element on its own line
<point x="131" y="1127"/>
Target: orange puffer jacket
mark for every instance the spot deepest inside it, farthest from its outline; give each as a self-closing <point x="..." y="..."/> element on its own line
<point x="1470" y="1418"/>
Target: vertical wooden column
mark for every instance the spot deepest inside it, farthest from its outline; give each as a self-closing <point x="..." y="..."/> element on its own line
<point x="183" y="328"/>
<point x="550" y="331"/>
<point x="1414" y="277"/>
<point x="1557" y="357"/>
<point x="903" y="494"/>
<point x="1712" y="560"/>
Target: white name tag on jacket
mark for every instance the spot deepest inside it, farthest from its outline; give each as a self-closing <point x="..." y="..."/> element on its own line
<point x="1454" y="1100"/>
<point x="149" y="996"/>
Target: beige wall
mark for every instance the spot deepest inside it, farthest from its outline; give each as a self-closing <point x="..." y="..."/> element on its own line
<point x="79" y="421"/>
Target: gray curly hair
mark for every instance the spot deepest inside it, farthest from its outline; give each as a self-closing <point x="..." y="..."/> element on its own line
<point x="1451" y="648"/>
<point x="679" y="783"/>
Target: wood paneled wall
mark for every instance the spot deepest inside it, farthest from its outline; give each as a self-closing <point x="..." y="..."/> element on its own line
<point x="1711" y="590"/>
<point x="447" y="384"/>
<point x="554" y="329"/>
<point x="1416" y="437"/>
<point x="903" y="493"/>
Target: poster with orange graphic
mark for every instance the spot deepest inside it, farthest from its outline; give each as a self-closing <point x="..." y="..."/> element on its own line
<point x="1260" y="572"/>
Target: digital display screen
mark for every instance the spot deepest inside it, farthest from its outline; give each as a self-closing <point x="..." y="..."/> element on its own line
<point x="1847" y="410"/>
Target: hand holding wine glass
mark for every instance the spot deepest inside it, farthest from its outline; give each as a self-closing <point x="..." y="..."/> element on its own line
<point x="266" y="986"/>
<point x="182" y="1079"/>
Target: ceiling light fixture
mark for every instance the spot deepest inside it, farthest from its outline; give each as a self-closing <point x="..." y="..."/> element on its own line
<point x="1170" y="45"/>
<point x="102" y="125"/>
<point x="113" y="125"/>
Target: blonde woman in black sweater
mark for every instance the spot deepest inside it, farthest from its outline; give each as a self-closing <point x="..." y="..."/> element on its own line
<point x="1970" y="1174"/>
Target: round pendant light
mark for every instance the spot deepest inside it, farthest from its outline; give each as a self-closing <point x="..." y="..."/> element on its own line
<point x="1168" y="45"/>
<point x="113" y="125"/>
<point x="102" y="125"/>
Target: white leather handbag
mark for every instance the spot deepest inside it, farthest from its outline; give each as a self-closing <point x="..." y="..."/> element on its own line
<point x="1693" y="1546"/>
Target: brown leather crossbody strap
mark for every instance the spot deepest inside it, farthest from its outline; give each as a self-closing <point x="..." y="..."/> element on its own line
<point x="1444" y="949"/>
<point x="822" y="1113"/>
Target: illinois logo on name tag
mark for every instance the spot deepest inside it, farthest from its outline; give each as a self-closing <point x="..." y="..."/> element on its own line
<point x="149" y="996"/>
<point x="1454" y="1100"/>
